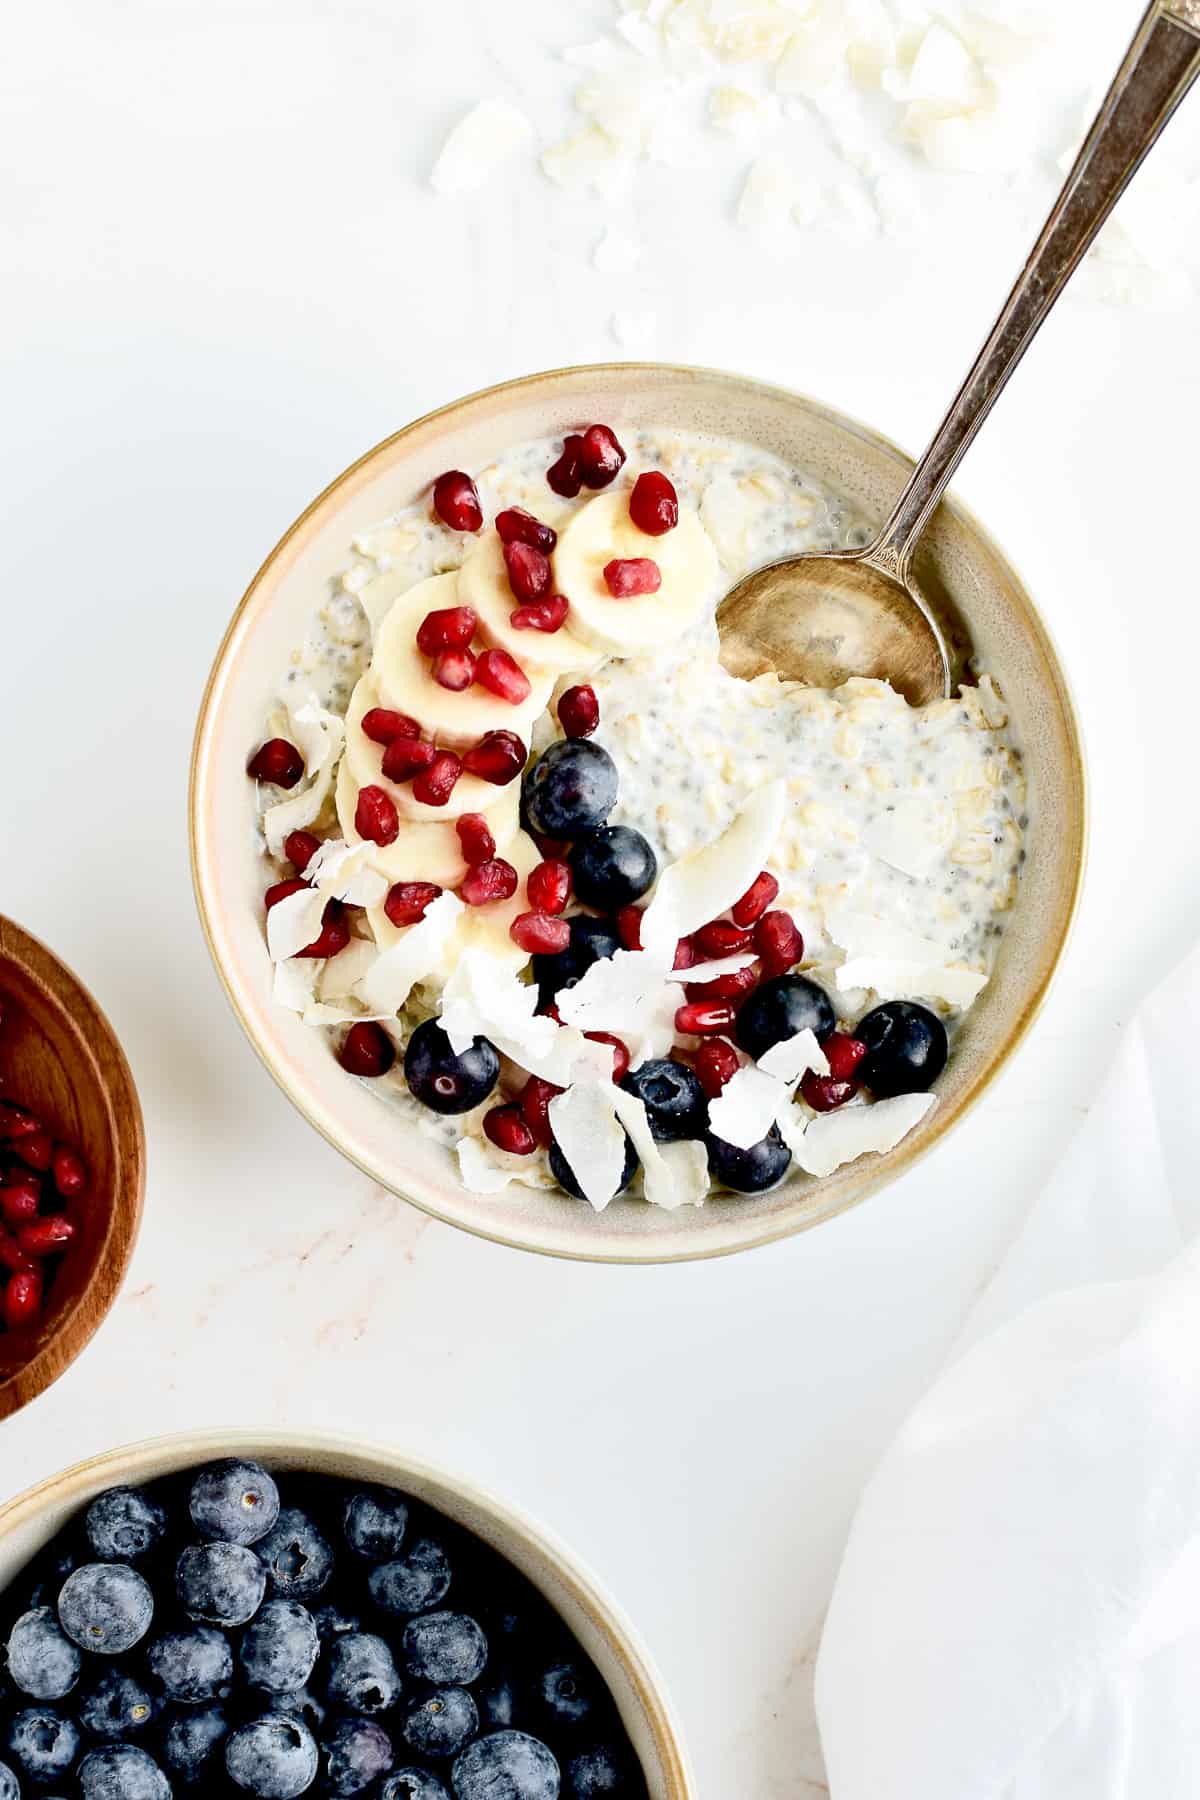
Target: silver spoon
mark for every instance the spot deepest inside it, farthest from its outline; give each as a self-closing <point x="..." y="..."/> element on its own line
<point x="819" y="618"/>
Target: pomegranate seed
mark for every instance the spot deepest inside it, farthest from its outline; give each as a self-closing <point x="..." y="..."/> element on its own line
<point x="535" y="1105"/>
<point x="277" y="762"/>
<point x="654" y="504"/>
<point x="579" y="711"/>
<point x="600" y="457"/>
<point x="720" y="938"/>
<point x="843" y="1055"/>
<point x="529" y="574"/>
<point x="824" y="1094"/>
<point x="19" y="1201"/>
<point x="367" y="1050"/>
<point x="456" y="501"/>
<point x="12" y="1256"/>
<point x="700" y="1018"/>
<point x="36" y="1151"/>
<point x="516" y="526"/>
<point x="300" y="847"/>
<point x="540" y="934"/>
<point x="627" y="576"/>
<point x="777" y="940"/>
<point x="503" y="676"/>
<point x="565" y="475"/>
<point x="16" y="1121"/>
<point x="505" y="1127"/>
<point x="620" y="1051"/>
<point x="734" y="986"/>
<point x="475" y="836"/>
<point x="23" y="1299"/>
<point x="542" y="615"/>
<point x="46" y="1237"/>
<point x="449" y="628"/>
<point x="550" y="1011"/>
<point x="454" y="669"/>
<point x="407" y="901"/>
<point x="375" y="816"/>
<point x="295" y="884"/>
<point x="492" y="880"/>
<point x="406" y="757"/>
<point x="686" y="954"/>
<point x="549" y="886"/>
<point x="69" y="1171"/>
<point x="716" y="1061"/>
<point x="436" y="785"/>
<point x="382" y="725"/>
<point x="498" y="757"/>
<point x="756" y="899"/>
<point x="629" y="926"/>
<point x="333" y="936"/>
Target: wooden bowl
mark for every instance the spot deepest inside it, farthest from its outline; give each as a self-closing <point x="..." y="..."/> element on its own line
<point x="957" y="559"/>
<point x="58" y="1056"/>
<point x="30" y="1521"/>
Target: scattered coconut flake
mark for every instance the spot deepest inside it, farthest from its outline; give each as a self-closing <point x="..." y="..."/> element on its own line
<point x="589" y="158"/>
<point x="668" y="1180"/>
<point x="479" y="145"/>
<point x="711" y="971"/>
<point x="793" y="1057"/>
<point x="343" y="872"/>
<point x="768" y="196"/>
<point x="861" y="933"/>
<point x="395" y="972"/>
<point x="483" y="998"/>
<point x="485" y="1169"/>
<point x="705" y="882"/>
<point x="341" y="974"/>
<point x="910" y="980"/>
<point x="912" y="835"/>
<point x="943" y="72"/>
<point x="747" y="1107"/>
<point x="319" y="736"/>
<point x="294" y="923"/>
<point x="591" y="1138"/>
<point x="831" y="1139"/>
<point x="294" y="983"/>
<point x="741" y="113"/>
<point x="616" y="253"/>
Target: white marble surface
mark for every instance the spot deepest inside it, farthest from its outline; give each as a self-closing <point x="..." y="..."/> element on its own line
<point x="222" y="278"/>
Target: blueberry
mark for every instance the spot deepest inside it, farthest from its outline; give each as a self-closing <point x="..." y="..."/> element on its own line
<point x="333" y="1622"/>
<point x="42" y="1662"/>
<point x="906" y="1048"/>
<point x="300" y="1704"/>
<point x="571" y="788"/>
<point x="563" y="1173"/>
<point x="507" y="1765"/>
<point x="603" y="1773"/>
<point x="361" y="1674"/>
<point x="234" y="1500"/>
<point x="444" y="1648"/>
<point x="612" y="867"/>
<point x="220" y="1584"/>
<point x="567" y="1694"/>
<point x="279" y="1648"/>
<point x="496" y="1699"/>
<point x="673" y="1098"/>
<point x="116" y="1706"/>
<point x="296" y="1557"/>
<point x="441" y="1723"/>
<point x="10" y="1791"/>
<point x="105" y="1608"/>
<point x="191" y="1665"/>
<point x="405" y="1784"/>
<point x="123" y="1524"/>
<point x="413" y="1582"/>
<point x="356" y="1754"/>
<point x="592" y="940"/>
<point x="443" y="1081"/>
<point x="122" y="1772"/>
<point x="780" y="1008"/>
<point x="274" y="1758"/>
<point x="191" y="1739"/>
<point x="42" y="1743"/>
<point x="750" y="1171"/>
<point x="375" y="1523"/>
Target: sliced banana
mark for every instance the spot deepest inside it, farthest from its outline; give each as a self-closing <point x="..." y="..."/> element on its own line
<point x="423" y="852"/>
<point x="483" y="584"/>
<point x="603" y="531"/>
<point x="478" y="927"/>
<point x="470" y="793"/>
<point x="405" y="680"/>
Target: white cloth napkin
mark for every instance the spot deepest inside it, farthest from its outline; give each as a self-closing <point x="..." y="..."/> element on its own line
<point x="1017" y="1615"/>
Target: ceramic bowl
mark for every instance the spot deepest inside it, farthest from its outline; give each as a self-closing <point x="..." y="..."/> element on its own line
<point x="59" y="1057"/>
<point x="958" y="563"/>
<point x="27" y="1523"/>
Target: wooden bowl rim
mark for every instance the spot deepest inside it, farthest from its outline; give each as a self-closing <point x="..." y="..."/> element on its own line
<point x="84" y="1317"/>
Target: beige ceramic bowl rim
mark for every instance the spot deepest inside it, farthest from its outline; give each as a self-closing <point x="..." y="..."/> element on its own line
<point x="125" y="1462"/>
<point x="897" y="1161"/>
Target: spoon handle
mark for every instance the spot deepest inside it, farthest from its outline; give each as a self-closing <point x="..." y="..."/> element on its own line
<point x="1161" y="65"/>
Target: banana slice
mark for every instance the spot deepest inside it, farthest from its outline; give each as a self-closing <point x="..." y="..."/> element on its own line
<point x="483" y="584"/>
<point x="478" y="927"/>
<point x="471" y="793"/>
<point x="603" y="531"/>
<point x="405" y="680"/>
<point x="424" y="852"/>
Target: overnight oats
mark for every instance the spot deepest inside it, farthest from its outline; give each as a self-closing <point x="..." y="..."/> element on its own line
<point x="592" y="911"/>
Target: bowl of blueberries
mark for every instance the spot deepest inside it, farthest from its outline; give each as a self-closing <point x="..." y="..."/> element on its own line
<point x="264" y="1617"/>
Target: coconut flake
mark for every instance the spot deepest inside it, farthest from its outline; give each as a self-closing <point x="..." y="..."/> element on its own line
<point x="673" y="1175"/>
<point x="834" y="1138"/>
<point x="793" y="1057"/>
<point x="861" y="933"/>
<point x="484" y="998"/>
<point x="486" y="1170"/>
<point x="483" y="140"/>
<point x="319" y="736"/>
<point x="591" y="1138"/>
<point x="294" y="983"/>
<point x="294" y="923"/>
<point x="768" y="195"/>
<point x="747" y="1107"/>
<point x="343" y="872"/>
<point x="708" y="881"/>
<point x="589" y="158"/>
<point x="395" y="972"/>
<point x="712" y="971"/>
<point x="341" y="974"/>
<point x="912" y="835"/>
<point x="895" y="980"/>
